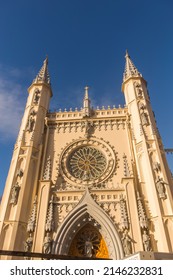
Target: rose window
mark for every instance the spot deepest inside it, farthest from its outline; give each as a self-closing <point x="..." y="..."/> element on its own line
<point x="87" y="163"/>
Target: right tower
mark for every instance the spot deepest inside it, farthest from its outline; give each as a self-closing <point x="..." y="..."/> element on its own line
<point x="153" y="178"/>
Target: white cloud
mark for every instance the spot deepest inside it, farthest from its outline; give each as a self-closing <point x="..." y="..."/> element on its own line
<point x="11" y="107"/>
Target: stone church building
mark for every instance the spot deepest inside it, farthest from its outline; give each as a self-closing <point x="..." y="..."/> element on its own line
<point x="89" y="183"/>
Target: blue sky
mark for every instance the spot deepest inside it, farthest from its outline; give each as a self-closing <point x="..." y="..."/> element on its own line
<point x="85" y="41"/>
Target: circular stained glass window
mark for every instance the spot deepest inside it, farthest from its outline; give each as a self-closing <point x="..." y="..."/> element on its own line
<point x="87" y="163"/>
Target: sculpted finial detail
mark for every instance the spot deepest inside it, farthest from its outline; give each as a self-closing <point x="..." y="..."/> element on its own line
<point x="50" y="219"/>
<point x="32" y="219"/>
<point x="86" y="104"/>
<point x="124" y="214"/>
<point x="143" y="220"/>
<point x="47" y="171"/>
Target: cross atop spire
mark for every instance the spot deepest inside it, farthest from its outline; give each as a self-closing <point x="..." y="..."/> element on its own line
<point x="43" y="75"/>
<point x="130" y="69"/>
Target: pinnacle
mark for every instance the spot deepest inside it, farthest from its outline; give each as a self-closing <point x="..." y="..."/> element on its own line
<point x="43" y="75"/>
<point x="130" y="69"/>
<point x="86" y="92"/>
<point x="86" y="103"/>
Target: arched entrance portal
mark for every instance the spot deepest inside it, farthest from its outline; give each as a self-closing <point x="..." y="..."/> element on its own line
<point x="88" y="242"/>
<point x="88" y="214"/>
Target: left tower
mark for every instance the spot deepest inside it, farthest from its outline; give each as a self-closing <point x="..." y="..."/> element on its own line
<point x="19" y="198"/>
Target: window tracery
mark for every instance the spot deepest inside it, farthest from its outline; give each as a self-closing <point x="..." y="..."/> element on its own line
<point x="87" y="163"/>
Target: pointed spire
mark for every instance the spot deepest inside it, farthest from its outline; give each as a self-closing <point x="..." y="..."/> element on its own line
<point x="130" y="69"/>
<point x="86" y="103"/>
<point x="43" y="75"/>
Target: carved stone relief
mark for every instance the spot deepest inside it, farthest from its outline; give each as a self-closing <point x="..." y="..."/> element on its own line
<point x="144" y="224"/>
<point x="19" y="173"/>
<point x="160" y="186"/>
<point x="144" y="115"/>
<point x="15" y="193"/>
<point x="48" y="170"/>
<point x="146" y="241"/>
<point x="88" y="127"/>
<point x="28" y="243"/>
<point x="127" y="242"/>
<point x="31" y="121"/>
<point x="156" y="167"/>
<point x="139" y="91"/>
<point x="32" y="220"/>
<point x="143" y="220"/>
<point x="49" y="227"/>
<point x="126" y="169"/>
<point x="47" y="244"/>
<point x="64" y="209"/>
<point x="124" y="224"/>
<point x="36" y="96"/>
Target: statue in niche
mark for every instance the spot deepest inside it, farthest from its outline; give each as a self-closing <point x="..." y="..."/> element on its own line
<point x="31" y="225"/>
<point x="36" y="96"/>
<point x="146" y="241"/>
<point x="28" y="243"/>
<point x="32" y="112"/>
<point x="85" y="176"/>
<point x="144" y="118"/>
<point x="141" y="106"/>
<point x="127" y="243"/>
<point x="46" y="121"/>
<point x="30" y="124"/>
<point x="138" y="91"/>
<point x="19" y="173"/>
<point x="15" y="194"/>
<point x="88" y="126"/>
<point x="160" y="185"/>
<point x="88" y="248"/>
<point x="47" y="244"/>
<point x="156" y="166"/>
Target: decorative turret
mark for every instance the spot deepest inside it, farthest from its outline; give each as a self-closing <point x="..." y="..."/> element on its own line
<point x="86" y="104"/>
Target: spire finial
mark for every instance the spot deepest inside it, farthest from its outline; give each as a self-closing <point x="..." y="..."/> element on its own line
<point x="43" y="75"/>
<point x="130" y="69"/>
<point x="127" y="54"/>
<point x="46" y="60"/>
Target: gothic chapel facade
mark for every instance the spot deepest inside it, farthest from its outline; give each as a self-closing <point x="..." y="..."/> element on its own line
<point x="91" y="183"/>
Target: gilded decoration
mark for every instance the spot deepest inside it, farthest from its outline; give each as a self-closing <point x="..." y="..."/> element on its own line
<point x="88" y="242"/>
<point x="87" y="160"/>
